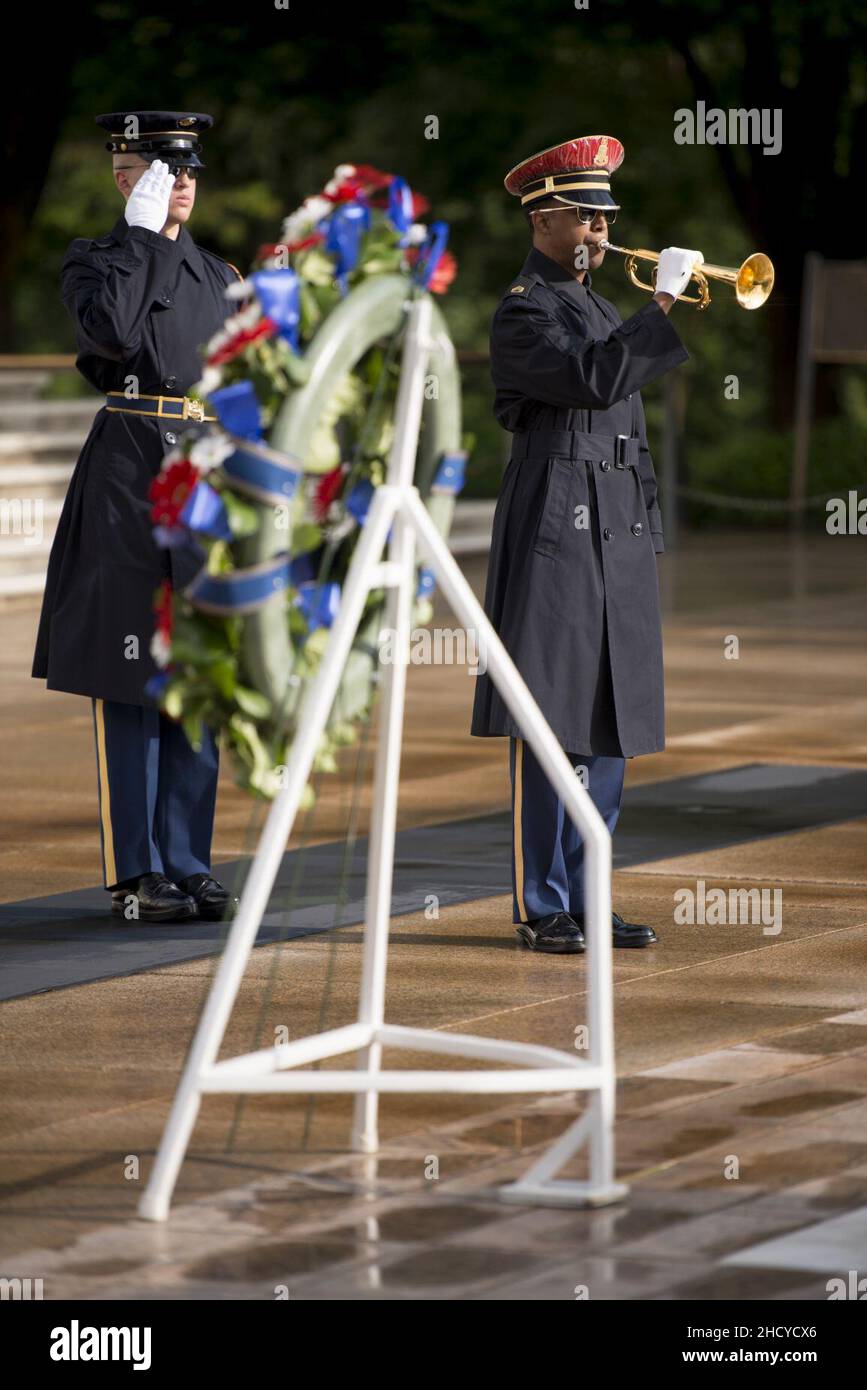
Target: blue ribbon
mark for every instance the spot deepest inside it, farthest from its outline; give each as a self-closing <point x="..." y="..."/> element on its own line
<point x="242" y="591"/>
<point x="238" y="410"/>
<point x="156" y="685"/>
<point x="426" y="583"/>
<point x="359" y="499"/>
<point x="431" y="253"/>
<point x="451" y="473"/>
<point x="279" y="294"/>
<point x="400" y="207"/>
<point x="319" y="603"/>
<point x="306" y="567"/>
<point x="205" y="510"/>
<point x="262" y="472"/>
<point x="343" y="230"/>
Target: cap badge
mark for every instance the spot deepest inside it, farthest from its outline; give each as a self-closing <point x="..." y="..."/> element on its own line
<point x="601" y="156"/>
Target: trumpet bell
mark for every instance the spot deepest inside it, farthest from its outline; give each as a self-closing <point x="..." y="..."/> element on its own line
<point x="754" y="282"/>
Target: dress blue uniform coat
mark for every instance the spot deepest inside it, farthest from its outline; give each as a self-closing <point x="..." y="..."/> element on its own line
<point x="143" y="305"/>
<point x="572" y="586"/>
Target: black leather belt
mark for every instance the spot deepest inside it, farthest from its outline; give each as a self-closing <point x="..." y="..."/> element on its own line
<point x="162" y="407"/>
<point x="620" y="449"/>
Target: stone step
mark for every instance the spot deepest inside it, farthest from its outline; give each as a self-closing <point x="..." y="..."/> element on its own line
<point x="37" y="447"/>
<point x="24" y="376"/>
<point x="22" y="416"/>
<point x="45" y="480"/>
<point x="24" y="383"/>
<point x="21" y="585"/>
<point x="25" y="541"/>
<point x="24" y="558"/>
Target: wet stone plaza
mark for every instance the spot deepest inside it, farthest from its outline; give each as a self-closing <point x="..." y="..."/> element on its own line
<point x="741" y="1037"/>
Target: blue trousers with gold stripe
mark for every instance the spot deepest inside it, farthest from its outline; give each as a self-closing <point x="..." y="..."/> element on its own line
<point x="547" y="849"/>
<point x="157" y="795"/>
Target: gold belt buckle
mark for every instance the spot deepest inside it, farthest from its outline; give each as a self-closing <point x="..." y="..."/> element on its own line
<point x="193" y="410"/>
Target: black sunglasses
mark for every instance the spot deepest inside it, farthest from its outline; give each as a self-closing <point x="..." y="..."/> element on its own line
<point x="587" y="214"/>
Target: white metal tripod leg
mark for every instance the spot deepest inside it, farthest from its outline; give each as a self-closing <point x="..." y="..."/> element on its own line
<point x="597" y="1122"/>
<point x="316" y="707"/>
<point x="383" y="824"/>
<point x="382" y="832"/>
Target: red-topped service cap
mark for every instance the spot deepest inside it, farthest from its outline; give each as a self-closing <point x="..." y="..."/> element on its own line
<point x="578" y="171"/>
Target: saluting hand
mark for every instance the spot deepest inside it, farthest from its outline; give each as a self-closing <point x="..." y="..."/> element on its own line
<point x="148" y="204"/>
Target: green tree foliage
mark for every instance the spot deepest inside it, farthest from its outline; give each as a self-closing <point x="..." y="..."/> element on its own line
<point x="294" y="94"/>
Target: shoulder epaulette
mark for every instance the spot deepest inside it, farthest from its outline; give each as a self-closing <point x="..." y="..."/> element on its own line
<point x="522" y="286"/>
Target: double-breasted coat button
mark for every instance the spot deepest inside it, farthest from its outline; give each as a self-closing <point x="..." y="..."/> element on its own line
<point x="170" y="383"/>
<point x="166" y="297"/>
<point x="171" y="437"/>
<point x="637" y="528"/>
<point x="605" y="465"/>
<point x="608" y="534"/>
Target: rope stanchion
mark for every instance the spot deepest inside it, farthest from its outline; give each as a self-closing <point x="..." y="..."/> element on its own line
<point x="724" y="500"/>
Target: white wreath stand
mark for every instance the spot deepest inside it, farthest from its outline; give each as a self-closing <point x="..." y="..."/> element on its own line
<point x="528" y="1068"/>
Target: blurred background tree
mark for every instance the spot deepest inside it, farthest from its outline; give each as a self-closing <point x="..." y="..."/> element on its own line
<point x="295" y="92"/>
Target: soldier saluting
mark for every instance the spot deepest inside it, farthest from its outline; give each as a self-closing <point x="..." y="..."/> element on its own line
<point x="144" y="299"/>
<point x="572" y="587"/>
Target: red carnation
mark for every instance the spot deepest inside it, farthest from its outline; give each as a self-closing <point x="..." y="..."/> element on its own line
<point x="314" y="239"/>
<point x="265" y="328"/>
<point x="289" y="248"/>
<point x="346" y="192"/>
<point x="170" y="490"/>
<point x="420" y="205"/>
<point x="373" y="177"/>
<point x="326" y="490"/>
<point x="446" y="270"/>
<point x="364" y="180"/>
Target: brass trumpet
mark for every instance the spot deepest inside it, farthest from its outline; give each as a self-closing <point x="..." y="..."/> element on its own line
<point x="753" y="281"/>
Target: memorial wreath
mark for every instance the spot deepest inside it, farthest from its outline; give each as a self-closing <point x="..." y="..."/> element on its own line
<point x="302" y="384"/>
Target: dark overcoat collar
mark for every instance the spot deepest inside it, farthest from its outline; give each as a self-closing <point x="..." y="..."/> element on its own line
<point x="557" y="279"/>
<point x="187" y="249"/>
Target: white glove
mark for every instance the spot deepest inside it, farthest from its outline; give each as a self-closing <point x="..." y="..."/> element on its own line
<point x="148" y="204"/>
<point x="674" y="269"/>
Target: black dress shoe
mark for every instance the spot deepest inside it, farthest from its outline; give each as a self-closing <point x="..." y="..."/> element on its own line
<point x="213" y="901"/>
<point x="558" y="934"/>
<point x="632" y="934"/>
<point x="626" y="934"/>
<point x="159" y="900"/>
